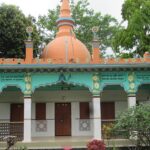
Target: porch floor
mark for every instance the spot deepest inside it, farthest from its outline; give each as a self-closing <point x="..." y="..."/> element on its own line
<point x="61" y="142"/>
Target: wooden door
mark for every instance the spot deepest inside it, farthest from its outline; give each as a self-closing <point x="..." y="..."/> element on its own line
<point x="17" y="119"/>
<point x="40" y="111"/>
<point x="84" y="110"/>
<point x="108" y="110"/>
<point x="17" y="113"/>
<point x="63" y="119"/>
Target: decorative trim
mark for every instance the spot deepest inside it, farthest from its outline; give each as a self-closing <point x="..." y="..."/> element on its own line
<point x="131" y="95"/>
<point x="96" y="96"/>
<point x="74" y="67"/>
<point x="62" y="78"/>
<point x="65" y="19"/>
<point x="28" y="85"/>
<point x="96" y="84"/>
<point x="65" y="23"/>
<point x="132" y="86"/>
<point x="84" y="125"/>
<point x="41" y="126"/>
<point x="29" y="44"/>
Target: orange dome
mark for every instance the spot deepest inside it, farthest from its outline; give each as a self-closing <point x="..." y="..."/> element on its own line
<point x="65" y="48"/>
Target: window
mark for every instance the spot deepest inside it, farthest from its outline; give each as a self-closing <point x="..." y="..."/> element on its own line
<point x="40" y="111"/>
<point x="107" y="110"/>
<point x="84" y="110"/>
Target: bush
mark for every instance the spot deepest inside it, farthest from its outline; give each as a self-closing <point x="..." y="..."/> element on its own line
<point x="96" y="145"/>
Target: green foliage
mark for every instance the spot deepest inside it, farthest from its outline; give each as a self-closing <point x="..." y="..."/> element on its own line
<point x="137" y="33"/>
<point x="137" y="122"/>
<point x="125" y="55"/>
<point x="13" y="25"/>
<point x="85" y="18"/>
<point x="48" y="23"/>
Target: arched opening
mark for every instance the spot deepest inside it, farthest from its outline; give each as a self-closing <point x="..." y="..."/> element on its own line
<point x="143" y="94"/>
<point x="113" y="101"/>
<point x="12" y="112"/>
<point x="11" y="94"/>
<point x="60" y="92"/>
<point x="61" y="110"/>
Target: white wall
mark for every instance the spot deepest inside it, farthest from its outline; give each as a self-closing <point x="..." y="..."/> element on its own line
<point x="4" y="111"/>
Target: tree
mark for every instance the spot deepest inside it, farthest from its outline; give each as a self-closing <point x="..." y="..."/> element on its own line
<point x="136" y="121"/>
<point x="136" y="36"/>
<point x="13" y="25"/>
<point x="85" y="18"/>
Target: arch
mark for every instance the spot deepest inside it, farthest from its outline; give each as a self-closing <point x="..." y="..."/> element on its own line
<point x="113" y="101"/>
<point x="141" y="84"/>
<point x="113" y="84"/>
<point x="143" y="93"/>
<point x="11" y="94"/>
<point x="59" y="82"/>
<point x="11" y="85"/>
<point x="61" y="91"/>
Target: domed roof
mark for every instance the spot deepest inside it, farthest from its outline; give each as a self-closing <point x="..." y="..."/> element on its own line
<point x="66" y="48"/>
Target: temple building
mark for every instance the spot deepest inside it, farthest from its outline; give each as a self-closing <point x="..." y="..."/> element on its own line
<point x="68" y="92"/>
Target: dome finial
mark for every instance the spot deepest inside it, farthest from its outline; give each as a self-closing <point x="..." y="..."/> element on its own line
<point x="65" y="9"/>
<point x="65" y="22"/>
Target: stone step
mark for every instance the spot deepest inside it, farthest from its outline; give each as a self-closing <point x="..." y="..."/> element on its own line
<point x="76" y="144"/>
<point x="47" y="145"/>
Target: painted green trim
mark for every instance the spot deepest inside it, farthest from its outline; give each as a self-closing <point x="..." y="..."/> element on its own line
<point x="75" y="66"/>
<point x="95" y="82"/>
<point x="50" y="79"/>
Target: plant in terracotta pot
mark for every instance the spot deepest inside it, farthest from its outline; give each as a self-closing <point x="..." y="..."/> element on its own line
<point x="96" y="145"/>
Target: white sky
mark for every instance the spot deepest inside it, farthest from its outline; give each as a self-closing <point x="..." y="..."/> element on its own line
<point x="40" y="7"/>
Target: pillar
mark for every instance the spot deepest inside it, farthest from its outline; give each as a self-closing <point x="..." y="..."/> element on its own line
<point x="97" y="133"/>
<point x="29" y="52"/>
<point x="131" y="101"/>
<point x="96" y="51"/>
<point x="27" y="119"/>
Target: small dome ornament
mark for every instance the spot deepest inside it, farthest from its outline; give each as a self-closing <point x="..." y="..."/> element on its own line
<point x="29" y="30"/>
<point x="95" y="78"/>
<point x="95" y="29"/>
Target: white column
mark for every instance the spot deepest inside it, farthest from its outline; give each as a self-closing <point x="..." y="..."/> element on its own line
<point x="97" y="133"/>
<point x="131" y="101"/>
<point x="27" y="119"/>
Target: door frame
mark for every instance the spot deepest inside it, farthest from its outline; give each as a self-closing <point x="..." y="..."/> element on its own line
<point x="70" y="121"/>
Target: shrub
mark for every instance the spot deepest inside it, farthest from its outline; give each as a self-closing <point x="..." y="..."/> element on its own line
<point x="107" y="130"/>
<point x="96" y="145"/>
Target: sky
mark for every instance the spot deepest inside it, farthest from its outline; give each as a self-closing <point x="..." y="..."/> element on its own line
<point x="40" y="7"/>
